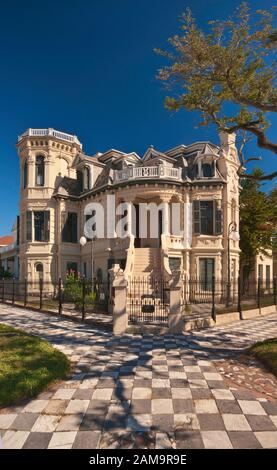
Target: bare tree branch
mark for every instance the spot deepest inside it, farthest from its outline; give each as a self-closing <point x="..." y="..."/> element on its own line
<point x="271" y="176"/>
<point x="262" y="140"/>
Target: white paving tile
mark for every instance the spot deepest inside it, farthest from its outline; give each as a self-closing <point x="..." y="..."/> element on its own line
<point x="45" y="423"/>
<point x="62" y="440"/>
<point x="64" y="393"/>
<point x="77" y="406"/>
<point x="36" y="406"/>
<point x="222" y="394"/>
<point x="205" y="406"/>
<point x="251" y="407"/>
<point x="161" y="406"/>
<point x="14" y="439"/>
<point x="268" y="439"/>
<point x="235" y="422"/>
<point x="6" y="420"/>
<point x="216" y="440"/>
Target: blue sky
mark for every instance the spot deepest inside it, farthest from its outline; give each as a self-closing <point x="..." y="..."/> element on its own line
<point x="87" y="67"/>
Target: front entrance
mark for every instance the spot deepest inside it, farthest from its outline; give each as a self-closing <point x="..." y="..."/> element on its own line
<point x="147" y="300"/>
<point x="148" y="242"/>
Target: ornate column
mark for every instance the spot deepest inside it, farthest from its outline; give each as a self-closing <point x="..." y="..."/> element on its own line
<point x="166" y="230"/>
<point x="129" y="218"/>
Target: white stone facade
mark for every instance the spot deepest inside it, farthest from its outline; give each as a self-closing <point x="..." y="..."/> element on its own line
<point x="58" y="180"/>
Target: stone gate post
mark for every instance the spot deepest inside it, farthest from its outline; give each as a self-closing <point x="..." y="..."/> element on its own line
<point x="119" y="296"/>
<point x="175" y="318"/>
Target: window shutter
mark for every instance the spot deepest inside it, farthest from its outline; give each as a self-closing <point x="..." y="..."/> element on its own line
<point x="196" y="217"/>
<point x="22" y="232"/>
<point x="218" y="220"/>
<point x="28" y="226"/>
<point x="46" y="226"/>
<point x="74" y="228"/>
<point x="17" y="230"/>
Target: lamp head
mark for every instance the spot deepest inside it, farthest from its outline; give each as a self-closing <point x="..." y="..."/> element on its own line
<point x="83" y="241"/>
<point x="235" y="236"/>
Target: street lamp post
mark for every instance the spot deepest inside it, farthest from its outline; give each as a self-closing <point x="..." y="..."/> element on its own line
<point x="83" y="241"/>
<point x="232" y="229"/>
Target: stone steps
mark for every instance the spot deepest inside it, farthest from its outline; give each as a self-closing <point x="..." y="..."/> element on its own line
<point x="147" y="261"/>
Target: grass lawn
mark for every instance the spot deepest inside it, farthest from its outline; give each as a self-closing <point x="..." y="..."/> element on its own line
<point x="28" y="364"/>
<point x="267" y="353"/>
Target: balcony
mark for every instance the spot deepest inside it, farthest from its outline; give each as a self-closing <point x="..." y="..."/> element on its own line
<point x="147" y="172"/>
<point x="50" y="133"/>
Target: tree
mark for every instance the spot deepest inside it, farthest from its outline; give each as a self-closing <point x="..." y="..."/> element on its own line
<point x="256" y="220"/>
<point x="227" y="74"/>
<point x="273" y="202"/>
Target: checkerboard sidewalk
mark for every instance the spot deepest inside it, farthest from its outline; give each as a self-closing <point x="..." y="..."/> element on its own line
<point x="166" y="388"/>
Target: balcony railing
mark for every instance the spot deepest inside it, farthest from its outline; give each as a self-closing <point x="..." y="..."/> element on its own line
<point x="145" y="172"/>
<point x="50" y="132"/>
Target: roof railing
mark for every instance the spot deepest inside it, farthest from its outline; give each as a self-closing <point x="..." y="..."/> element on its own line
<point x="50" y="133"/>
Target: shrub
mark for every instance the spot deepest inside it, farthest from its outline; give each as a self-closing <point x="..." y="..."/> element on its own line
<point x="73" y="290"/>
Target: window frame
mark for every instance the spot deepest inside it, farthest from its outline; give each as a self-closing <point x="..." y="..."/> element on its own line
<point x="198" y="219"/>
<point x="30" y="227"/>
<point x="206" y="283"/>
<point x="212" y="168"/>
<point x="38" y="173"/>
<point x="86" y="178"/>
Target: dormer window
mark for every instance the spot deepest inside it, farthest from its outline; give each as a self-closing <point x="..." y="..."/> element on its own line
<point x="86" y="179"/>
<point x="206" y="167"/>
<point x="40" y="170"/>
<point x="207" y="170"/>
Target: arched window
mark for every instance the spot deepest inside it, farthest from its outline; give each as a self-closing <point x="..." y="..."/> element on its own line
<point x="39" y="271"/>
<point x="86" y="178"/>
<point x="25" y="174"/>
<point x="40" y="170"/>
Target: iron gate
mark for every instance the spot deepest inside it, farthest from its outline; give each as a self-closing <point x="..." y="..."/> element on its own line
<point x="147" y="300"/>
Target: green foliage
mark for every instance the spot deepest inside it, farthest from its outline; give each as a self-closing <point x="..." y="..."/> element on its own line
<point x="267" y="353"/>
<point x="256" y="216"/>
<point x="273" y="201"/>
<point x="28" y="365"/>
<point x="227" y="74"/>
<point x="75" y="288"/>
<point x="5" y="274"/>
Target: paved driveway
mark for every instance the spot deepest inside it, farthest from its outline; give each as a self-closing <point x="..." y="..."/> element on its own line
<point x="150" y="391"/>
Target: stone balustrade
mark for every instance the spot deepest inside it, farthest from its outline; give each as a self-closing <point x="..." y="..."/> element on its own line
<point x="145" y="172"/>
<point x="50" y="133"/>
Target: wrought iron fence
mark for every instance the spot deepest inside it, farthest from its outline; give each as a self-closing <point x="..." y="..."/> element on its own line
<point x="205" y="298"/>
<point x="83" y="299"/>
<point x="147" y="300"/>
